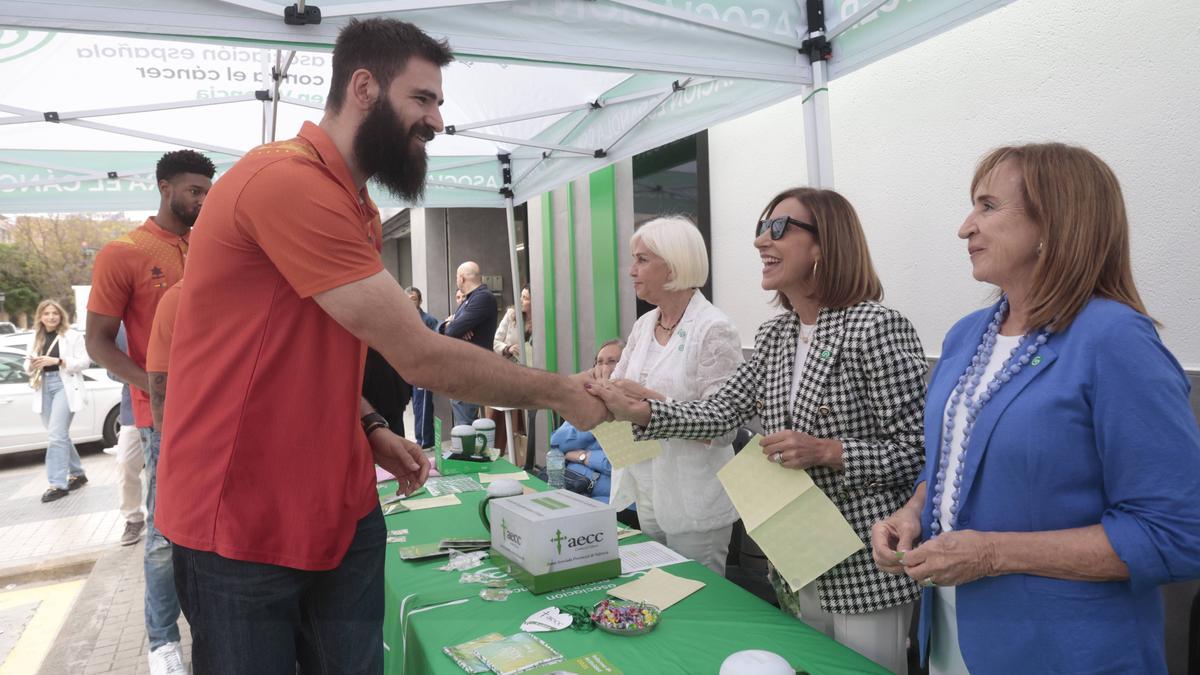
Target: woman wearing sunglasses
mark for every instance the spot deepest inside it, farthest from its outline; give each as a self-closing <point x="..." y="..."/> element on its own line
<point x="837" y="381"/>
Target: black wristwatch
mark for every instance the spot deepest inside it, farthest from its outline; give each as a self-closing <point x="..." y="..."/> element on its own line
<point x="372" y="421"/>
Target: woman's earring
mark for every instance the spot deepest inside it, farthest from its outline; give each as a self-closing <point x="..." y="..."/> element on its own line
<point x="814" y="272"/>
<point x="1039" y="248"/>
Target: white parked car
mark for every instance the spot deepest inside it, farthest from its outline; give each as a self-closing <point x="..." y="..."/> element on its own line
<point x="19" y="340"/>
<point x="21" y="430"/>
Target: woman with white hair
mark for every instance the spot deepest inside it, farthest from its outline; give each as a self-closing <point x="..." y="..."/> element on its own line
<point x="55" y="360"/>
<point x="684" y="349"/>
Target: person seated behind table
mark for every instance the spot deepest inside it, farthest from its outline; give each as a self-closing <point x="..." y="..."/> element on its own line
<point x="588" y="470"/>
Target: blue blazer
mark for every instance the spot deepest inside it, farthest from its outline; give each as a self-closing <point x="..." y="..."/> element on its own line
<point x="1098" y="431"/>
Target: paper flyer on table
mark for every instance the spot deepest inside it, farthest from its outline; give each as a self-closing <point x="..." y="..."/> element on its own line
<point x="486" y="478"/>
<point x="616" y="438"/>
<point x="645" y="555"/>
<point x="658" y="588"/>
<point x="431" y="502"/>
<point x="800" y="530"/>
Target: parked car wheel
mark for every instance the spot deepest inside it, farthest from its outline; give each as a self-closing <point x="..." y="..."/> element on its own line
<point x="112" y="425"/>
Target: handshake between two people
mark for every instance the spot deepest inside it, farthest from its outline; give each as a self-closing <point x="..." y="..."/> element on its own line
<point x="623" y="399"/>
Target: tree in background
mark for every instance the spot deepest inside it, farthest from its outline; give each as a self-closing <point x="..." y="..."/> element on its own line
<point x="43" y="256"/>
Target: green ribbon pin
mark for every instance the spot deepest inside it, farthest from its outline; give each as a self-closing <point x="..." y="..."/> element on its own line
<point x="825" y="354"/>
<point x="1035" y="360"/>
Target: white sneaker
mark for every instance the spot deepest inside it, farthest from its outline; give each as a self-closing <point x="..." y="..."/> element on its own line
<point x="167" y="660"/>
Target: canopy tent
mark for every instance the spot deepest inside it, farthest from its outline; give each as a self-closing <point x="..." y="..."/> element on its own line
<point x="550" y="89"/>
<point x="545" y="91"/>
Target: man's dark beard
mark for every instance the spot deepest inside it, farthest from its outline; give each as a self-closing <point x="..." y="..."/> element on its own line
<point x="184" y="216"/>
<point x="385" y="150"/>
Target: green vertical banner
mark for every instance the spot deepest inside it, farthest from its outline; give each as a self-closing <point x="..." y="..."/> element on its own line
<point x="602" y="186"/>
<point x="550" y="330"/>
<point x="574" y="277"/>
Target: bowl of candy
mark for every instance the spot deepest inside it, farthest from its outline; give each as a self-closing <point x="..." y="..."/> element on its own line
<point x="621" y="617"/>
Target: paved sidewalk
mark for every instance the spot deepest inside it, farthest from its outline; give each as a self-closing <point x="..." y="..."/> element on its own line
<point x="106" y="632"/>
<point x="86" y="521"/>
<point x="64" y="559"/>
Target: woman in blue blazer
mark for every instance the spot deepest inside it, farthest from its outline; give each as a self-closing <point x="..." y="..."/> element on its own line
<point x="1062" y="477"/>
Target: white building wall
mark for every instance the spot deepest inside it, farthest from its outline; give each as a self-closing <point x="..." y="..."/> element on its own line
<point x="1122" y="79"/>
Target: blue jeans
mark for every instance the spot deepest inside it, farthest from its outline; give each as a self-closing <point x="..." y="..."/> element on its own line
<point x="162" y="604"/>
<point x="464" y="413"/>
<point x="423" y="416"/>
<point x="62" y="459"/>
<point x="264" y="619"/>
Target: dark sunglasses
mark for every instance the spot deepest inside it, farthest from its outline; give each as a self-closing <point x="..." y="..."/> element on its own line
<point x="777" y="226"/>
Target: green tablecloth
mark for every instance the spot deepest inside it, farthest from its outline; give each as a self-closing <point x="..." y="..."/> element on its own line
<point x="427" y="609"/>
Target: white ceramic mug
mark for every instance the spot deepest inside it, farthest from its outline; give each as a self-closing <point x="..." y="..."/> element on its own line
<point x="487" y="428"/>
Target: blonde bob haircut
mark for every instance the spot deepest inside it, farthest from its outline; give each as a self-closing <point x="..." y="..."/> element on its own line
<point x="676" y="240"/>
<point x="40" y="337"/>
<point x="845" y="274"/>
<point x="1075" y="200"/>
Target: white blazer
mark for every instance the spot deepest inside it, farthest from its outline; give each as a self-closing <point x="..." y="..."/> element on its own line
<point x="704" y="351"/>
<point x="73" y="352"/>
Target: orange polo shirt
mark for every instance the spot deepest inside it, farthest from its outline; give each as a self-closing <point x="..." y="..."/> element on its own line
<point x="263" y="458"/>
<point x="130" y="276"/>
<point x="158" y="350"/>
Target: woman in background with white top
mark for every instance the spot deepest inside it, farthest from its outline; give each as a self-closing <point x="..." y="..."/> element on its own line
<point x="683" y="349"/>
<point x="55" y="358"/>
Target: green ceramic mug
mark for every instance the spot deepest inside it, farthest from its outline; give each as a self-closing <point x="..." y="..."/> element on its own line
<point x="468" y="441"/>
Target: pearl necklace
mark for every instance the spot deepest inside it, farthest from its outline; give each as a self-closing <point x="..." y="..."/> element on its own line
<point x="964" y="393"/>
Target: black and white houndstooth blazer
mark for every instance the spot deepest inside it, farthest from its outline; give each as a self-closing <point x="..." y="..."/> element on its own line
<point x="863" y="384"/>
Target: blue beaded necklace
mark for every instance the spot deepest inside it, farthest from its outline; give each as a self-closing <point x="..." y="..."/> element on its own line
<point x="964" y="392"/>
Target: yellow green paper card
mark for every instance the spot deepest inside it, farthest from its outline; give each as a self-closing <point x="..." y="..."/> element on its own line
<point x="802" y="532"/>
<point x="616" y="438"/>
<point x="584" y="665"/>
<point x="516" y="654"/>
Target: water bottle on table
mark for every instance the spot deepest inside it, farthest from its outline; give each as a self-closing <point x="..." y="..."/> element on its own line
<point x="556" y="464"/>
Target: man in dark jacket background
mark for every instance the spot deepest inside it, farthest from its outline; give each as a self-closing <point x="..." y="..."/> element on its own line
<point x="474" y="321"/>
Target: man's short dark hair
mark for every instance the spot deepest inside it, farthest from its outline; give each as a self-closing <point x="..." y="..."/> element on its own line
<point x="184" y="161"/>
<point x="383" y="47"/>
<point x="416" y="291"/>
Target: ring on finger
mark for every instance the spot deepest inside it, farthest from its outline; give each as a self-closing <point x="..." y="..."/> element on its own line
<point x="928" y="582"/>
<point x="777" y="458"/>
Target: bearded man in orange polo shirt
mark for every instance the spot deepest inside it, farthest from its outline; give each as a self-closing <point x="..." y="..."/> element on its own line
<point x="130" y="276"/>
<point x="268" y="484"/>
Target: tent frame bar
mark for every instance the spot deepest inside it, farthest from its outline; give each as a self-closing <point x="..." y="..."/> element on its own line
<point x="546" y="155"/>
<point x="125" y="110"/>
<point x="589" y="106"/>
<point x="131" y="132"/>
<point x="519" y="118"/>
<point x="676" y="87"/>
<point x="83" y="174"/>
<point x="527" y="143"/>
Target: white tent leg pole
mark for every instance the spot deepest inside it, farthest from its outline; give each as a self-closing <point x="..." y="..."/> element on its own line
<point x="819" y="103"/>
<point x="811" y="154"/>
<point x="268" y="134"/>
<point x="514" y="260"/>
<point x="518" y="314"/>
